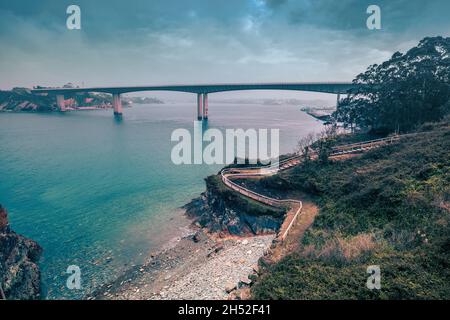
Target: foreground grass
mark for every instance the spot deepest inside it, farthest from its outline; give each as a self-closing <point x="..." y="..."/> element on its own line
<point x="388" y="207"/>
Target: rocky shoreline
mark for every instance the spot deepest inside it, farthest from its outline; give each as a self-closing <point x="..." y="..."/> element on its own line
<point x="200" y="266"/>
<point x="19" y="272"/>
<point x="218" y="259"/>
<point x="223" y="211"/>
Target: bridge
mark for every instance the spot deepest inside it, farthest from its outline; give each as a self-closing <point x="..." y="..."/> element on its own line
<point x="202" y="91"/>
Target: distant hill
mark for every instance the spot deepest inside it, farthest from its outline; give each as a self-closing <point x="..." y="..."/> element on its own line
<point x="146" y="100"/>
<point x="21" y="99"/>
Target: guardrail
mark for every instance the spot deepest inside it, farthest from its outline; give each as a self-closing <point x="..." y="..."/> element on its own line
<point x="246" y="172"/>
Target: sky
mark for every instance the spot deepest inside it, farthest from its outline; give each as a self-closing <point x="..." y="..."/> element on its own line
<point x="143" y="42"/>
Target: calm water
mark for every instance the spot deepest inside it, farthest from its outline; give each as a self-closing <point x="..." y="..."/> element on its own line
<point x="103" y="194"/>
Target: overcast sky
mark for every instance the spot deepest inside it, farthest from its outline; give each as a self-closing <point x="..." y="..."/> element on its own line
<point x="137" y="42"/>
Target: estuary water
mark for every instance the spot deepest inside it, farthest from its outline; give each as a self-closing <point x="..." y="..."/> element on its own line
<point x="103" y="194"/>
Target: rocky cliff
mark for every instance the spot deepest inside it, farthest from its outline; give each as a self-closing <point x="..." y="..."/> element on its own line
<point x="19" y="272"/>
<point x="220" y="209"/>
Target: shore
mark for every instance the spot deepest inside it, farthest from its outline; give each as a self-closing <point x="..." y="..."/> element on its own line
<point x="198" y="266"/>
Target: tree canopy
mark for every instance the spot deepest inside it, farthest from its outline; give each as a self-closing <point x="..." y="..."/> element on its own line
<point x="407" y="90"/>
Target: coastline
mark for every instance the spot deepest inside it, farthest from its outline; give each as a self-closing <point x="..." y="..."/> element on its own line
<point x="198" y="265"/>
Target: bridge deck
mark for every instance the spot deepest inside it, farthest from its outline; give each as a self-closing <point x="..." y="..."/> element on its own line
<point x="324" y="87"/>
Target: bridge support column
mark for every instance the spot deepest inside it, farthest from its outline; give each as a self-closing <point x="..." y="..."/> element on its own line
<point x="199" y="106"/>
<point x="205" y="106"/>
<point x="60" y="102"/>
<point x="117" y="104"/>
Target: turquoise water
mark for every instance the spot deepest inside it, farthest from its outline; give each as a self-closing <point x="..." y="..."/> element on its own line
<point x="103" y="194"/>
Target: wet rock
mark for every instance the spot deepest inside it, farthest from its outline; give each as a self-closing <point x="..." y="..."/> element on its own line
<point x="218" y="211"/>
<point x="20" y="275"/>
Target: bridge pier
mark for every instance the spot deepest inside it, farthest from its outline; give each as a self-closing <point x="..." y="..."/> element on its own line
<point x="205" y="106"/>
<point x="60" y="102"/>
<point x="199" y="107"/>
<point x="117" y="104"/>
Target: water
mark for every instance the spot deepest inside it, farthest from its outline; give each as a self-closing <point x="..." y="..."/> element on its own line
<point x="103" y="194"/>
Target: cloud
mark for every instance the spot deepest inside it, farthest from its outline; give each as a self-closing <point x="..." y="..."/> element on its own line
<point x="141" y="41"/>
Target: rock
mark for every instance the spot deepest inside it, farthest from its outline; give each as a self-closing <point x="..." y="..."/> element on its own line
<point x="20" y="275"/>
<point x="3" y="219"/>
<point x="245" y="281"/>
<point x="196" y="237"/>
<point x="230" y="287"/>
<point x="218" y="249"/>
<point x="220" y="212"/>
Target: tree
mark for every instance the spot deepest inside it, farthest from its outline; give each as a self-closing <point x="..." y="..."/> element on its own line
<point x="321" y="144"/>
<point x="325" y="143"/>
<point x="304" y="147"/>
<point x="403" y="92"/>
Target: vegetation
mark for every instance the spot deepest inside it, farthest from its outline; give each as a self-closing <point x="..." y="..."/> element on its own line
<point x="21" y="99"/>
<point x="403" y="92"/>
<point x="388" y="207"/>
<point x="239" y="202"/>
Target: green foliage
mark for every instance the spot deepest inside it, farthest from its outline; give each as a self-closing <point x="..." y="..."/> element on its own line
<point x="403" y="92"/>
<point x="405" y="275"/>
<point x="15" y="100"/>
<point x="401" y="194"/>
<point x="237" y="201"/>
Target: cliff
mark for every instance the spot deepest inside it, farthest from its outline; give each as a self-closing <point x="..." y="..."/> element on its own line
<point x="19" y="272"/>
<point x="221" y="210"/>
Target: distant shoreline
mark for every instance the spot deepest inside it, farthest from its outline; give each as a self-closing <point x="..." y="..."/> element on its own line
<point x="322" y="114"/>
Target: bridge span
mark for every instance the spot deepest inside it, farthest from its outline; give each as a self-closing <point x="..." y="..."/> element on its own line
<point x="202" y="91"/>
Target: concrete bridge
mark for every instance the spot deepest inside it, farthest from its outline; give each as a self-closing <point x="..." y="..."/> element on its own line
<point x="202" y="91"/>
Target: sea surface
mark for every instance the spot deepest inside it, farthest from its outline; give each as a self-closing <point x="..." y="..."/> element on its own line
<point x="103" y="194"/>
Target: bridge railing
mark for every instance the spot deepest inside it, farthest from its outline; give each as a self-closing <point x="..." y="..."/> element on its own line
<point x="246" y="172"/>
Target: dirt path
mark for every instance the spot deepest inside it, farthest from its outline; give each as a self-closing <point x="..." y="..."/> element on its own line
<point x="293" y="240"/>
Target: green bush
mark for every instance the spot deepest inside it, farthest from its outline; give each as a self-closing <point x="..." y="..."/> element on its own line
<point x="400" y="193"/>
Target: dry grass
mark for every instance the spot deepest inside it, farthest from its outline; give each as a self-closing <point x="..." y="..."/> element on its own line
<point x="346" y="248"/>
<point x="353" y="247"/>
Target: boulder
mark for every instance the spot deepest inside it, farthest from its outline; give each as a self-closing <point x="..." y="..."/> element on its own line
<point x="19" y="271"/>
<point x="230" y="287"/>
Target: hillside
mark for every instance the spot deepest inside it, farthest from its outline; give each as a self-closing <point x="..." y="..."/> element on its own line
<point x="388" y="207"/>
<point x="21" y="99"/>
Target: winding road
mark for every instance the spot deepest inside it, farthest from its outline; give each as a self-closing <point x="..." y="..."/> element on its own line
<point x="294" y="206"/>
